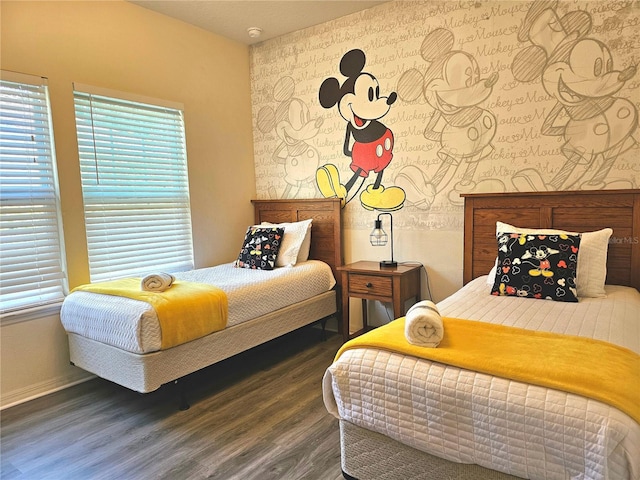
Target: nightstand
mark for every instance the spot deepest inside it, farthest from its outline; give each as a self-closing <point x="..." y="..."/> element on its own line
<point x="369" y="281"/>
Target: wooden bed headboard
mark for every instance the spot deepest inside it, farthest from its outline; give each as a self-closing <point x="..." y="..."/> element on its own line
<point x="577" y="211"/>
<point x="326" y="228"/>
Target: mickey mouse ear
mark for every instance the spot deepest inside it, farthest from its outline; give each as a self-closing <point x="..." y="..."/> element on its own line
<point x="352" y="63"/>
<point x="529" y="63"/>
<point x="410" y="85"/>
<point x="436" y="43"/>
<point x="266" y="119"/>
<point x="329" y="92"/>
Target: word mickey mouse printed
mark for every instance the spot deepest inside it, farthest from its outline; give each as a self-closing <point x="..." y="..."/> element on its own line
<point x="368" y="142"/>
<point x="577" y="71"/>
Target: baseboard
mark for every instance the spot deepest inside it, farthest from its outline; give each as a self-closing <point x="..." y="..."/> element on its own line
<point x="41" y="389"/>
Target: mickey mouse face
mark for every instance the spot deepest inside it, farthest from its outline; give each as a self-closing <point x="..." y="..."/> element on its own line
<point x="586" y="71"/>
<point x="358" y="98"/>
<point x="295" y="123"/>
<point x="365" y="103"/>
<point x="454" y="82"/>
<point x="539" y="253"/>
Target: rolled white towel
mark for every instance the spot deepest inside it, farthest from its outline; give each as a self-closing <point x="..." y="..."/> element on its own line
<point x="157" y="282"/>
<point x="423" y="325"/>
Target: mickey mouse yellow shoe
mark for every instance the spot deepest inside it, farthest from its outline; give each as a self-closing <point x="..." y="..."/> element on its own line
<point x="383" y="199"/>
<point x="328" y="180"/>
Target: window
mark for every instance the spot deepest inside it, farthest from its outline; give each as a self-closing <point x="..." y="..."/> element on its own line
<point x="135" y="188"/>
<point x="32" y="273"/>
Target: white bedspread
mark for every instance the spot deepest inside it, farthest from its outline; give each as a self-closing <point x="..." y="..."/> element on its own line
<point x="132" y="325"/>
<point x="527" y="431"/>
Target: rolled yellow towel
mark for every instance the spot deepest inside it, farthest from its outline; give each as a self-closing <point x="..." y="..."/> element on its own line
<point x="157" y="282"/>
<point x="423" y="325"/>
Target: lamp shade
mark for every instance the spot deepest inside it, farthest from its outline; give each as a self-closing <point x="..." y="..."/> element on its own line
<point x="378" y="238"/>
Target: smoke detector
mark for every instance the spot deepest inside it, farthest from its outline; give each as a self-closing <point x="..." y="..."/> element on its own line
<point x="254" y="32"/>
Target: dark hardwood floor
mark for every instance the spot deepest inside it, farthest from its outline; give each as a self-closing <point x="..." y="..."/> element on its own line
<point x="258" y="415"/>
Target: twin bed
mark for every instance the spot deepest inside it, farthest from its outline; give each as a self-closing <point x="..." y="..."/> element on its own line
<point x="119" y="339"/>
<point x="404" y="417"/>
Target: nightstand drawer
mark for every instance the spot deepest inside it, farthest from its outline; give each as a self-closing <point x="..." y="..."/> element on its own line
<point x="370" y="284"/>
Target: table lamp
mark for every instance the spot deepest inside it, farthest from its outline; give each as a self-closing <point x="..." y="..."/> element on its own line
<point x="379" y="238"/>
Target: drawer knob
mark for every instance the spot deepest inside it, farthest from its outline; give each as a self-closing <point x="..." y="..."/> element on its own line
<point x="369" y="285"/>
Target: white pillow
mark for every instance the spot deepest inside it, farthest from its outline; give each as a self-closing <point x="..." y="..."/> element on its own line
<point x="303" y="254"/>
<point x="294" y="242"/>
<point x="592" y="257"/>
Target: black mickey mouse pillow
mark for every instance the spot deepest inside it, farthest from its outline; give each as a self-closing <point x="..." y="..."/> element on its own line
<point x="260" y="248"/>
<point x="537" y="266"/>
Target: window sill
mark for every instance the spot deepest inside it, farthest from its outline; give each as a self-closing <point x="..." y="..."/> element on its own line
<point x="30" y="314"/>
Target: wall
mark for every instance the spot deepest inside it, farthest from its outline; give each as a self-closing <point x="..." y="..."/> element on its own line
<point x="124" y="47"/>
<point x="490" y="96"/>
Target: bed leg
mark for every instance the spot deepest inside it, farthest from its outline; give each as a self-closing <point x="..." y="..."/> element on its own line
<point x="323" y="335"/>
<point x="184" y="404"/>
<point x="347" y="476"/>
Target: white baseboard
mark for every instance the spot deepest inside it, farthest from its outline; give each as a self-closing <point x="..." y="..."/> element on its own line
<point x="41" y="389"/>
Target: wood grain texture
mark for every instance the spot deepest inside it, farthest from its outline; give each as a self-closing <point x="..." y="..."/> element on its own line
<point x="258" y="415"/>
<point x="580" y="211"/>
<point x="326" y="229"/>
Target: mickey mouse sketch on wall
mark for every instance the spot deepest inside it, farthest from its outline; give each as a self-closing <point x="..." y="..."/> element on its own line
<point x="453" y="86"/>
<point x="294" y="126"/>
<point x="577" y="71"/>
<point x="368" y="142"/>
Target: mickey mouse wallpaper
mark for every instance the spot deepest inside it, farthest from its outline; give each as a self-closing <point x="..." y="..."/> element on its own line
<point x="410" y="108"/>
<point x="578" y="72"/>
<point x="464" y="131"/>
<point x="367" y="142"/>
<point x="294" y="126"/>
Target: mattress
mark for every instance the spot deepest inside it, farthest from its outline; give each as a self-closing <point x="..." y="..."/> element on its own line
<point x="132" y="325"/>
<point x="467" y="417"/>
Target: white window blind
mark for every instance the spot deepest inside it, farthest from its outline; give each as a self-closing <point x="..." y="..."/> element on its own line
<point x="31" y="254"/>
<point x="134" y="184"/>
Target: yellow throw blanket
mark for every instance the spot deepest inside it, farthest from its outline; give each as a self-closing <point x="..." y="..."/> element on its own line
<point x="591" y="368"/>
<point x="186" y="311"/>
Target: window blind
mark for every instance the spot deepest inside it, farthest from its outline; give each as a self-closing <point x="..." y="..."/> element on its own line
<point x="32" y="272"/>
<point x="135" y="187"/>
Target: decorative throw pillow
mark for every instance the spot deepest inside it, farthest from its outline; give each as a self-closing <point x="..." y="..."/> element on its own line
<point x="592" y="261"/>
<point x="537" y="266"/>
<point x="295" y="243"/>
<point x="260" y="248"/>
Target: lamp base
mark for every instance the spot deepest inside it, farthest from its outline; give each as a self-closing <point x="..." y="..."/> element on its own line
<point x="388" y="264"/>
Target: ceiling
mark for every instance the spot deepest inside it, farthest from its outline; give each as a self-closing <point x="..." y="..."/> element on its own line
<point x="232" y="19"/>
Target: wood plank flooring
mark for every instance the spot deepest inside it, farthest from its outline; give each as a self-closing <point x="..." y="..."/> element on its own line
<point x="258" y="415"/>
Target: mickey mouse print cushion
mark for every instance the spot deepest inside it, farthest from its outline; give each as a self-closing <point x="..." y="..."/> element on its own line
<point x="260" y="248"/>
<point x="537" y="266"/>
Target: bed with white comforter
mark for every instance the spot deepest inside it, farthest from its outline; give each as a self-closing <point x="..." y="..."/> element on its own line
<point x="120" y="339"/>
<point x="467" y="417"/>
<point x="132" y="325"/>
